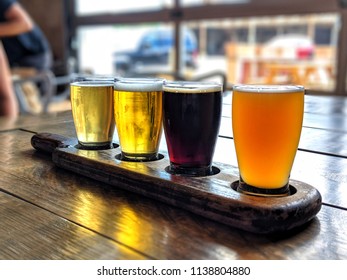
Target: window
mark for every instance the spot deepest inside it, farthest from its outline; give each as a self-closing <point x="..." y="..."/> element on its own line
<point x="238" y="37"/>
<point x="323" y="34"/>
<point x="89" y="7"/>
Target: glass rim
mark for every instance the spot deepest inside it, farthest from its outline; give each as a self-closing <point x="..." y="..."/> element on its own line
<point x="139" y="84"/>
<point x="192" y="86"/>
<point x="93" y="80"/>
<point x="92" y="83"/>
<point x="263" y="88"/>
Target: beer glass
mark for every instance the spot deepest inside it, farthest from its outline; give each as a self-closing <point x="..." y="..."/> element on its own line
<point x="92" y="110"/>
<point x="191" y="120"/>
<point x="266" y="122"/>
<point x="138" y="114"/>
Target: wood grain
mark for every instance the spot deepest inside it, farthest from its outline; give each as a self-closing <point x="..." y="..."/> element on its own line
<point x="29" y="232"/>
<point x="63" y="203"/>
<point x="209" y="196"/>
<point x="24" y="122"/>
<point x="156" y="229"/>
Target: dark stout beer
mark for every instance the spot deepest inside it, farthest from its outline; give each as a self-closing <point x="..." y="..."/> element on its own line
<point x="192" y="115"/>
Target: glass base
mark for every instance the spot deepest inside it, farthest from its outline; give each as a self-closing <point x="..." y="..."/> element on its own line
<point x="94" y="146"/>
<point x="250" y="190"/>
<point x="138" y="157"/>
<point x="175" y="169"/>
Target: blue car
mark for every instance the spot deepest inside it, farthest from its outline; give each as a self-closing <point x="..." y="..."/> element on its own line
<point x="154" y="50"/>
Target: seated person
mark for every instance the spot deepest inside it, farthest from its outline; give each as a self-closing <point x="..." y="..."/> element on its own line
<point x="8" y="101"/>
<point x="23" y="41"/>
<point x="27" y="51"/>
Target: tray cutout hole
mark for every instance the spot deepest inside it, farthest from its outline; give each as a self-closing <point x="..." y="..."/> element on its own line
<point x="100" y="148"/>
<point x="158" y="157"/>
<point x="214" y="171"/>
<point x="292" y="189"/>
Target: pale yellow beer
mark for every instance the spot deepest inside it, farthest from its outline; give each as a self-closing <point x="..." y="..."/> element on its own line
<point x="267" y="122"/>
<point x="92" y="110"/>
<point x="138" y="114"/>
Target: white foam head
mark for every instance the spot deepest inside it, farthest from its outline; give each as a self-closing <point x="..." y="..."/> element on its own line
<point x="192" y="87"/>
<point x="93" y="84"/>
<point x="93" y="81"/>
<point x="268" y="88"/>
<point x="139" y="84"/>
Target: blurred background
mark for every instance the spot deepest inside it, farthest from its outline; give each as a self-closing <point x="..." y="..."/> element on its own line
<point x="235" y="41"/>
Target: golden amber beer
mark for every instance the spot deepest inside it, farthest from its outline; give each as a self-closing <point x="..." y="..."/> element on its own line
<point x="267" y="122"/>
<point x="138" y="114"/>
<point x="92" y="110"/>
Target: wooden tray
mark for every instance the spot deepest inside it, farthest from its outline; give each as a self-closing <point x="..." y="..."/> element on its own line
<point x="213" y="197"/>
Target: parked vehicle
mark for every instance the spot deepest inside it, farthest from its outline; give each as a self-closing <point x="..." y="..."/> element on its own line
<point x="154" y="49"/>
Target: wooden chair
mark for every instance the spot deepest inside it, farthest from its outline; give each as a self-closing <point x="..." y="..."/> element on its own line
<point x="34" y="89"/>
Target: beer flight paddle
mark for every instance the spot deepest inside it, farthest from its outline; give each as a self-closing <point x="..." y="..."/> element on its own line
<point x="214" y="197"/>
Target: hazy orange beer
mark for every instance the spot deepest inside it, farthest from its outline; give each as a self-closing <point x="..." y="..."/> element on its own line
<point x="267" y="122"/>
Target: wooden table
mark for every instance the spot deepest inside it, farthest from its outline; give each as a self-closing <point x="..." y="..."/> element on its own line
<point x="297" y="72"/>
<point x="49" y="213"/>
